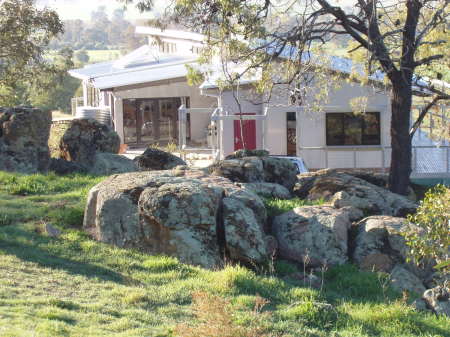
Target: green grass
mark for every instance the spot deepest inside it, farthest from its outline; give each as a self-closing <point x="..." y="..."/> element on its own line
<point x="278" y="206"/>
<point x="96" y="56"/>
<point x="74" y="286"/>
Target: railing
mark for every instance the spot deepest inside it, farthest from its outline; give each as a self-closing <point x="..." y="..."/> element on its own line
<point x="75" y="103"/>
<point x="427" y="161"/>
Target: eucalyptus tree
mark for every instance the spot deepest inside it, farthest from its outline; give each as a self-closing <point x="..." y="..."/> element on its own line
<point x="25" y="32"/>
<point x="398" y="37"/>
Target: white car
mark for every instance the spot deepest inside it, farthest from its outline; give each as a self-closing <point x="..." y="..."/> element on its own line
<point x="299" y="163"/>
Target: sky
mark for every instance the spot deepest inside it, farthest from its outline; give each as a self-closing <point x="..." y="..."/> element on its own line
<point x="81" y="9"/>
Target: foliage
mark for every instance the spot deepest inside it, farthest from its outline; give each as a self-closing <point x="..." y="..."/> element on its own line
<point x="429" y="239"/>
<point x="279" y="206"/>
<point x="82" y="56"/>
<point x="74" y="286"/>
<point x="25" y="32"/>
<point x="101" y="32"/>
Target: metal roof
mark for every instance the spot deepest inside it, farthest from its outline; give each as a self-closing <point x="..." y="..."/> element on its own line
<point x="141" y="66"/>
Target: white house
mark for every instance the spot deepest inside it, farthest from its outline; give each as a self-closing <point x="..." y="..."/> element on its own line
<point x="147" y="94"/>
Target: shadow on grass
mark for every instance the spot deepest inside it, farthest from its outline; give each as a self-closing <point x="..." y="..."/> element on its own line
<point x="25" y="245"/>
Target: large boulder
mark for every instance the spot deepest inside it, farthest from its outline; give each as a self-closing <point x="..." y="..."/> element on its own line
<point x="343" y="190"/>
<point x="84" y="138"/>
<point x="379" y="244"/>
<point x="315" y="235"/>
<point x="181" y="213"/>
<point x="257" y="169"/>
<point x="24" y="136"/>
<point x="155" y="159"/>
<point x="110" y="163"/>
<point x="401" y="279"/>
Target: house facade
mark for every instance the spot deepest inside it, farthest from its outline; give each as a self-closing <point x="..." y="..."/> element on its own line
<point x="150" y="102"/>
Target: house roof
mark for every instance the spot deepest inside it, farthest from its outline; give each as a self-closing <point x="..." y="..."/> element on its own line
<point x="421" y="85"/>
<point x="141" y="66"/>
<point x="146" y="64"/>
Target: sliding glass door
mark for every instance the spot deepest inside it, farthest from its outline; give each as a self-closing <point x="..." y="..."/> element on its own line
<point x="151" y="121"/>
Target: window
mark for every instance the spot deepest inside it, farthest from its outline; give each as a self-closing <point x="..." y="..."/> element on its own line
<point x="348" y="129"/>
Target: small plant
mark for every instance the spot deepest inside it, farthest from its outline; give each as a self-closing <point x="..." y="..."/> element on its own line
<point x="429" y="237"/>
<point x="216" y="317"/>
<point x="278" y="206"/>
<point x="5" y="220"/>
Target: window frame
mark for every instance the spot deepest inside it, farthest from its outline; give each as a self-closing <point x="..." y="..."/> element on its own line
<point x="363" y="126"/>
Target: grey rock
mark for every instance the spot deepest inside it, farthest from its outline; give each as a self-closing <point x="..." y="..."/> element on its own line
<point x="52" y="231"/>
<point x="185" y="214"/>
<point x="24" y="134"/>
<point x="155" y="159"/>
<point x="438" y="300"/>
<point x="313" y="234"/>
<point x="379" y="239"/>
<point x="84" y="138"/>
<point x="62" y="166"/>
<point x="420" y="305"/>
<point x="109" y="163"/>
<point x="257" y="169"/>
<point x="343" y="190"/>
<point x="401" y="279"/>
<point x="267" y="190"/>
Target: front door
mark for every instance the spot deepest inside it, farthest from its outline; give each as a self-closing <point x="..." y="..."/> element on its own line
<point x="249" y="131"/>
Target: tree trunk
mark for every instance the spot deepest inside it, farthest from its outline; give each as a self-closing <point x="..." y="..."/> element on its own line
<point x="401" y="102"/>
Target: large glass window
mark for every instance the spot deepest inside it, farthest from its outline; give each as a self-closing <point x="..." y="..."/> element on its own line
<point x="348" y="129"/>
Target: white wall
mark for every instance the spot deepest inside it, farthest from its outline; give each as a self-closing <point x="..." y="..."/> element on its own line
<point x="251" y="103"/>
<point x="311" y="128"/>
<point x="173" y="88"/>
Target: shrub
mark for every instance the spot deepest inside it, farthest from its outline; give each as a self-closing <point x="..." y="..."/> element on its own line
<point x="429" y="239"/>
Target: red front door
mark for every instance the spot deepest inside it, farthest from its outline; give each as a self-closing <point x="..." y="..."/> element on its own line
<point x="249" y="131"/>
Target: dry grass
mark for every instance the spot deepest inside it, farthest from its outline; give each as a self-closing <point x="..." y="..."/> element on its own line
<point x="216" y="317"/>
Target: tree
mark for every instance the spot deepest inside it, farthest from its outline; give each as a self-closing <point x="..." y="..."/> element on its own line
<point x="58" y="95"/>
<point x="395" y="35"/>
<point x="25" y="32"/>
<point x="82" y="56"/>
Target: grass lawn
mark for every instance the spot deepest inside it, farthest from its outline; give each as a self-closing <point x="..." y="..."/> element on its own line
<point x="96" y="56"/>
<point x="74" y="286"/>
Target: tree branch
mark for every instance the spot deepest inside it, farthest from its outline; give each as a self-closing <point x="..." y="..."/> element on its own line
<point x="423" y="113"/>
<point x="427" y="60"/>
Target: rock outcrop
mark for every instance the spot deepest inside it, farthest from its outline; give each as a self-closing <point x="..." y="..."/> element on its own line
<point x="257" y="169"/>
<point x="24" y="136"/>
<point x="314" y="235"/>
<point x="153" y="159"/>
<point x="343" y="190"/>
<point x="86" y="137"/>
<point x="182" y="213"/>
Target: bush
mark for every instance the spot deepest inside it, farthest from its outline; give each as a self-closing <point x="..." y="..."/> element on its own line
<point x="429" y="239"/>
